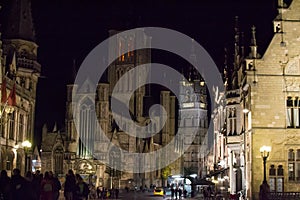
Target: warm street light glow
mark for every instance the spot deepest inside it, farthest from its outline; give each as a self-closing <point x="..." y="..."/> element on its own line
<point x="265" y="150"/>
<point x="193" y="175"/>
<point x="9" y="109"/>
<point x="27" y="144"/>
<point x="245" y="110"/>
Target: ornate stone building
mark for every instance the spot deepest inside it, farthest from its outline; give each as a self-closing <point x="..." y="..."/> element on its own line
<point x="19" y="74"/>
<point x="261" y="108"/>
<point x="192" y="116"/>
<point x="67" y="150"/>
<point x="274" y="83"/>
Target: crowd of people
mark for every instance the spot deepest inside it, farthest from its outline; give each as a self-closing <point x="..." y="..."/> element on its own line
<point x="178" y="192"/>
<point x="104" y="193"/>
<point x="40" y="186"/>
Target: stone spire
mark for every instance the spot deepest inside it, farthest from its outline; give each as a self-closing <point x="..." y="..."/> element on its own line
<point x="19" y="23"/>
<point x="226" y="70"/>
<point x="253" y="45"/>
<point x="193" y="74"/>
<point x="236" y="42"/>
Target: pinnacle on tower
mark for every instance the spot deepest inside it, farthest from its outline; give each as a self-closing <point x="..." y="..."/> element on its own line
<point x="19" y="23"/>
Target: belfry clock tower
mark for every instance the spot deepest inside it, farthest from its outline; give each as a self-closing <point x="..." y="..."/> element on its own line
<point x="192" y="117"/>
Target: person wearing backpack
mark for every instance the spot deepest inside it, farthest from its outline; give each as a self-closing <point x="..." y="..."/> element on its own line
<point x="47" y="187"/>
<point x="82" y="189"/>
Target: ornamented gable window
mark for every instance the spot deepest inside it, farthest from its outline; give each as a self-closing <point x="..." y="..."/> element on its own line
<point x="58" y="160"/>
<point x="294" y="165"/>
<point x="11" y="123"/>
<point x="232" y="121"/>
<point x="293" y="112"/>
<point x="21" y="127"/>
<point x="86" y="129"/>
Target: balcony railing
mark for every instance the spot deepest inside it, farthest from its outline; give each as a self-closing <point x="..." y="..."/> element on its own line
<point x="29" y="64"/>
<point x="284" y="195"/>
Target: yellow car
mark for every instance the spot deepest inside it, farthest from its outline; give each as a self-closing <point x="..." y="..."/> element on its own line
<point x="158" y="191"/>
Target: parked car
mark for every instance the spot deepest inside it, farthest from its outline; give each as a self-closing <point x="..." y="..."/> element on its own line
<point x="158" y="191"/>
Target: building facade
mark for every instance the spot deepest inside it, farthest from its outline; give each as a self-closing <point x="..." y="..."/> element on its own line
<point x="260" y="108"/>
<point x="70" y="150"/>
<point x="192" y="116"/>
<point x="19" y="73"/>
<point x="274" y="83"/>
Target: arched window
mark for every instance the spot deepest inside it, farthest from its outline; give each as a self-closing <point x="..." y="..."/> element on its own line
<point x="86" y="129"/>
<point x="9" y="161"/>
<point x="11" y="121"/>
<point x="58" y="160"/>
<point x="19" y="160"/>
<point x="291" y="155"/>
<point x="114" y="161"/>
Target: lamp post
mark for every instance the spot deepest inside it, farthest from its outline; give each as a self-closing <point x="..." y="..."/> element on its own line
<point x="27" y="145"/>
<point x="265" y="152"/>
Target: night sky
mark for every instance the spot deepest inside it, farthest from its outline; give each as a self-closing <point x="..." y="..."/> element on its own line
<point x="68" y="30"/>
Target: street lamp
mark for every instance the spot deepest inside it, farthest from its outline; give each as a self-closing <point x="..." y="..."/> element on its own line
<point x="27" y="145"/>
<point x="265" y="152"/>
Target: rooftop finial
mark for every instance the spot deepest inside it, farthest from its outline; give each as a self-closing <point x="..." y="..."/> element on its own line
<point x="236" y="25"/>
<point x="236" y="42"/>
<point x="253" y="38"/>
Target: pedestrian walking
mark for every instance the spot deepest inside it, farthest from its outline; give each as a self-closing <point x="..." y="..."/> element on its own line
<point x="36" y="184"/>
<point x="5" y="182"/>
<point x="179" y="193"/>
<point x="19" y="189"/>
<point x="117" y="193"/>
<point x="82" y="189"/>
<point x="172" y="192"/>
<point x="30" y="186"/>
<point x="47" y="187"/>
<point x="98" y="192"/>
<point x="70" y="185"/>
<point x="56" y="184"/>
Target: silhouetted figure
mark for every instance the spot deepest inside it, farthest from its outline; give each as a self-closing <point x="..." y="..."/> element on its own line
<point x="70" y="185"/>
<point x="47" y="187"/>
<point x="176" y="192"/>
<point x="30" y="186"/>
<point x="19" y="188"/>
<point x="56" y="184"/>
<point x="36" y="184"/>
<point x="5" y="182"/>
<point x="98" y="192"/>
<point x="82" y="189"/>
<point x="179" y="193"/>
<point x="172" y="192"/>
<point x="117" y="193"/>
<point x="184" y="193"/>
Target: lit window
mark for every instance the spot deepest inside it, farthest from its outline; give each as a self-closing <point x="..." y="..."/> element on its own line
<point x="21" y="127"/>
<point x="276" y="180"/>
<point x="292" y="113"/>
<point x="11" y="122"/>
<point x="294" y="165"/>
